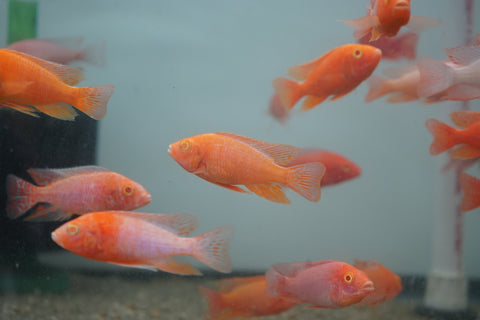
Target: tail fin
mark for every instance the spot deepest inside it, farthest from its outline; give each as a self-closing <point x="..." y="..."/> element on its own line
<point x="93" y="100"/>
<point x="305" y="180"/>
<point x="215" y="304"/>
<point x="19" y="196"/>
<point x="288" y="90"/>
<point x="95" y="54"/>
<point x="377" y="87"/>
<point x="443" y="136"/>
<point x="471" y="192"/>
<point x="435" y="76"/>
<point x="212" y="248"/>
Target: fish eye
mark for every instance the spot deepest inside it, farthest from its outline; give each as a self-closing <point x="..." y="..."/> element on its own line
<point x="348" y="277"/>
<point x="128" y="190"/>
<point x="185" y="145"/>
<point x="72" y="229"/>
<point x="357" y="53"/>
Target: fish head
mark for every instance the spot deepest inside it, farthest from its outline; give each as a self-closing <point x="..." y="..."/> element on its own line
<point x="126" y="194"/>
<point x="188" y="153"/>
<point x="393" y="14"/>
<point x="339" y="168"/>
<point x="351" y="285"/>
<point x="360" y="61"/>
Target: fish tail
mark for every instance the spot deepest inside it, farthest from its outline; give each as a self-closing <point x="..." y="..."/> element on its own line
<point x="288" y="90"/>
<point x="471" y="192"/>
<point x="435" y="76"/>
<point x="377" y="87"/>
<point x="19" y="196"/>
<point x="443" y="136"/>
<point x="275" y="283"/>
<point x="95" y="54"/>
<point x="93" y="100"/>
<point x="212" y="248"/>
<point x="305" y="180"/>
<point x="215" y="304"/>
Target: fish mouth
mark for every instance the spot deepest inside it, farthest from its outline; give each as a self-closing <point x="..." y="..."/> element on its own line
<point x="368" y="287"/>
<point x="55" y="239"/>
<point x="169" y="150"/>
<point x="402" y="5"/>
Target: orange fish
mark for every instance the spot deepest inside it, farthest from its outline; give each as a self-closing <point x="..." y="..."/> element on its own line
<point x="465" y="118"/>
<point x="399" y="47"/>
<point x="28" y="82"/>
<point x="336" y="74"/>
<point x="446" y="137"/>
<point x="227" y="159"/>
<point x="145" y="240"/>
<point x="242" y="297"/>
<point x="338" y="168"/>
<point x="62" y="193"/>
<point x="322" y="284"/>
<point x="387" y="284"/>
<point x="471" y="192"/>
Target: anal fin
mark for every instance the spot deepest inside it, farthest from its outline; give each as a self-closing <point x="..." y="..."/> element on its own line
<point x="270" y="191"/>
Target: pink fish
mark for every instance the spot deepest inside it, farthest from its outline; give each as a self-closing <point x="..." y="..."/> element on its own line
<point x="62" y="51"/>
<point x="62" y="193"/>
<point x="402" y="46"/>
<point x="322" y="284"/>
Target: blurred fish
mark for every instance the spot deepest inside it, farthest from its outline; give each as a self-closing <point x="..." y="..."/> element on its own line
<point x="28" y="82"/>
<point x="62" y="193"/>
<point x="385" y="18"/>
<point x="446" y="137"/>
<point x="465" y="118"/>
<point x="461" y="78"/>
<point x="227" y="159"/>
<point x="277" y="110"/>
<point x="56" y="50"/>
<point x="399" y="47"/>
<point x="387" y="284"/>
<point x="338" y="168"/>
<point x="471" y="192"/>
<point x="336" y="73"/>
<point x="145" y="240"/>
<point x="322" y="284"/>
<point x="242" y="297"/>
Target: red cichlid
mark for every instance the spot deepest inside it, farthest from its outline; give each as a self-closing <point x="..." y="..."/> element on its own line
<point x="336" y="74"/>
<point x="145" y="240"/>
<point x="471" y="192"/>
<point x="446" y="137"/>
<point x="338" y="168"/>
<point x="387" y="284"/>
<point x="322" y="284"/>
<point x="30" y="84"/>
<point x="65" y="192"/>
<point x="227" y="159"/>
<point x="63" y="51"/>
<point x="242" y="297"/>
<point x="399" y="47"/>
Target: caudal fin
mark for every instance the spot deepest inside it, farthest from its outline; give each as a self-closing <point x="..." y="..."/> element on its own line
<point x="212" y="248"/>
<point x="435" y="76"/>
<point x="471" y="192"/>
<point x="288" y="90"/>
<point x="215" y="304"/>
<point x="93" y="100"/>
<point x="19" y="196"/>
<point x="377" y="87"/>
<point x="305" y="180"/>
<point x="443" y="136"/>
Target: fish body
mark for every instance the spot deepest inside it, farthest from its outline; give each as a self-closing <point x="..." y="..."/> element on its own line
<point x="322" y="284"/>
<point x="27" y="81"/>
<point x="142" y="240"/>
<point x="242" y="297"/>
<point x="387" y="284"/>
<point x="399" y="47"/>
<point x="338" y="168"/>
<point x="78" y="190"/>
<point x="227" y="159"/>
<point x="401" y="89"/>
<point x="335" y="74"/>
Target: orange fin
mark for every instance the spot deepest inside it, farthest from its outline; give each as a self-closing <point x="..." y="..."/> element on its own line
<point x="471" y="192"/>
<point x="44" y="177"/>
<point x="217" y="309"/>
<point x="19" y="194"/>
<point x="20" y="108"/>
<point x="67" y="74"/>
<point x="443" y="136"/>
<point x="228" y="186"/>
<point x="48" y="212"/>
<point x="401" y="97"/>
<point x="93" y="100"/>
<point x="280" y="153"/>
<point x="305" y="180"/>
<point x="58" y="110"/>
<point x="302" y="71"/>
<point x="172" y="266"/>
<point x="212" y="248"/>
<point x="12" y="88"/>
<point x="270" y="191"/>
<point x="312" y="101"/>
<point x="465" y="152"/>
<point x="362" y="26"/>
<point x="465" y="118"/>
<point x="228" y="284"/>
<point x="288" y="90"/>
<point x="291" y="269"/>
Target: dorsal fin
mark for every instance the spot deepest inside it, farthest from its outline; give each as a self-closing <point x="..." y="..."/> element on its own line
<point x="463" y="55"/>
<point x="67" y="74"/>
<point x="280" y="153"/>
<point x="290" y="270"/>
<point x="179" y="223"/>
<point x="44" y="177"/>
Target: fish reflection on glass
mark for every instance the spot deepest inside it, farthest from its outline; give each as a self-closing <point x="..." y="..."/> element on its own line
<point x="145" y="240"/>
<point x="336" y="74"/>
<point x="62" y="193"/>
<point x="227" y="160"/>
<point x="322" y="284"/>
<point x="242" y="297"/>
<point x="30" y="85"/>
